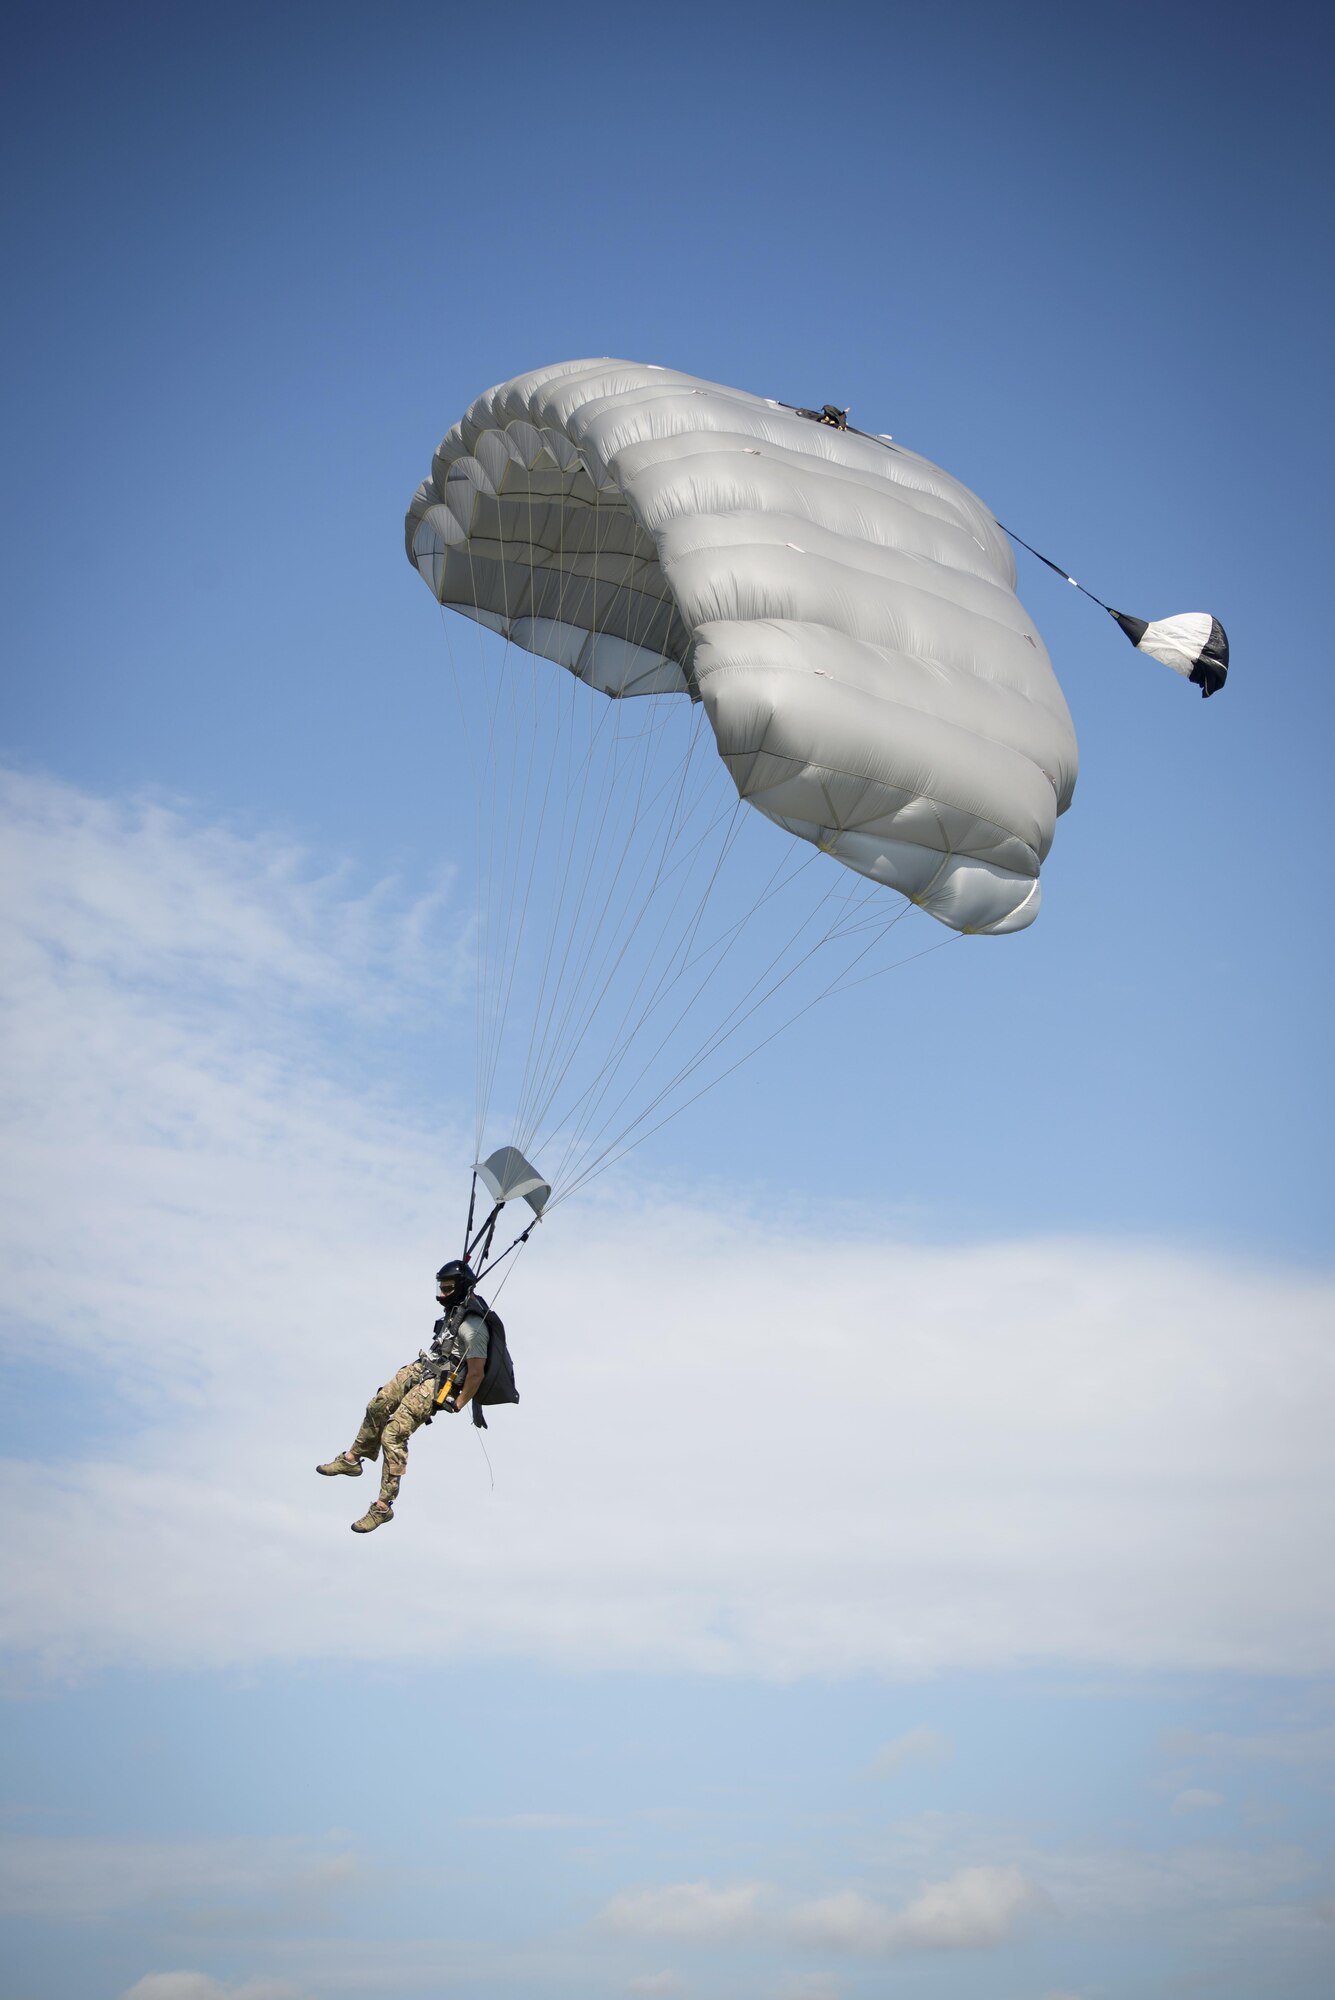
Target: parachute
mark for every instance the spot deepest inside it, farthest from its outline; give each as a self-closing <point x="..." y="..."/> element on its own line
<point x="764" y="595"/>
<point x="846" y="615"/>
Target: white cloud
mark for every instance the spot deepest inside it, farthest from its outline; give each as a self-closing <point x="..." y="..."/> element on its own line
<point x="976" y="1907"/>
<point x="73" y="1879"/>
<point x="1102" y="1453"/>
<point x="175" y="1986"/>
<point x="143" y="892"/>
<point x="654" y="1982"/>
<point x="1195" y="1799"/>
<point x="198" y="1986"/>
<point x="915" y="1746"/>
<point x="693" y="1912"/>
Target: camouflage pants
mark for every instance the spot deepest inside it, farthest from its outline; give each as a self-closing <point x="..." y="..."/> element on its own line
<point x="392" y="1415"/>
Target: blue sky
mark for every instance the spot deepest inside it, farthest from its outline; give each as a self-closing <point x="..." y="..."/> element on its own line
<point x="990" y="1658"/>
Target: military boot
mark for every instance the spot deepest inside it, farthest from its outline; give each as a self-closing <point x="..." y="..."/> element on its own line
<point x="351" y="1466"/>
<point x="375" y="1517"/>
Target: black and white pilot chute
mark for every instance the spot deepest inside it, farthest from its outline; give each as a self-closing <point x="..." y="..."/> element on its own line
<point x="1193" y="644"/>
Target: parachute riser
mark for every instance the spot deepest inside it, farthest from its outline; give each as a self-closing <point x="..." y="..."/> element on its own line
<point x="485" y="1236"/>
<point x="472" y="1203"/>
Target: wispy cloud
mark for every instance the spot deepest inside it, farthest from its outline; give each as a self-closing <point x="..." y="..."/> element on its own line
<point x="1195" y="1799"/>
<point x="146" y="893"/>
<point x="199" y="1986"/>
<point x="217" y="1196"/>
<point x="974" y="1908"/>
<point x="971" y="1909"/>
<point x="693" y="1912"/>
<point x="915" y="1747"/>
<point x="78" y="1880"/>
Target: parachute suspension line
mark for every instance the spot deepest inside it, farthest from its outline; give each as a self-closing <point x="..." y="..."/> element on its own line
<point x="496" y="827"/>
<point x="720" y="1033"/>
<point x="846" y="985"/>
<point x="723" y="1032"/>
<point x="481" y="876"/>
<point x="485" y="1453"/>
<point x="503" y="951"/>
<point x="559" y="1010"/>
<point x="615" y="1152"/>
<point x="568" y="791"/>
<point x="574" y="792"/>
<point x="559" y="735"/>
<point x="465" y="733"/>
<point x="518" y="1246"/>
<point x="491" y="1262"/>
<point x="515" y="818"/>
<point x="498" y="868"/>
<point x="665" y="985"/>
<point x="833" y="929"/>
<point x="722" y="945"/>
<point x="570" y="1020"/>
<point x="567" y="1043"/>
<point x="582" y="870"/>
<point x="620" y="1039"/>
<point x="595" y="905"/>
<point x="527" y="844"/>
<point x="634" y="1016"/>
<point x="554" y="971"/>
<point x="668" y="839"/>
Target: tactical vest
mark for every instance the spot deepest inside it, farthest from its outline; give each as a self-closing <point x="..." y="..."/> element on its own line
<point x="446" y="1367"/>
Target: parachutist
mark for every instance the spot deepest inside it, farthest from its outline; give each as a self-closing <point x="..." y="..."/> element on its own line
<point x="468" y="1361"/>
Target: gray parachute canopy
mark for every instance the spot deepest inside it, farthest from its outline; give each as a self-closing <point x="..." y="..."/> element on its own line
<point x="846" y="613"/>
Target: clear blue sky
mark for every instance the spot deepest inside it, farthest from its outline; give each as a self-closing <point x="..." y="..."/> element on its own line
<point x="718" y="1691"/>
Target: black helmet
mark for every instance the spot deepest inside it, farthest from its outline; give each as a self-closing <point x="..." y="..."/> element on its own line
<point x="459" y="1277"/>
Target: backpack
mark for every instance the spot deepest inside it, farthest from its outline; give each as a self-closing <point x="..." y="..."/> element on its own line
<point x="498" y="1381"/>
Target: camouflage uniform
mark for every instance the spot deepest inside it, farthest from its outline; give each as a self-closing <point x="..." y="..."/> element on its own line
<point x="392" y="1415"/>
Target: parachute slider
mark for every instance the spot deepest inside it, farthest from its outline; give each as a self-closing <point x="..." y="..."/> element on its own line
<point x="508" y="1176"/>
